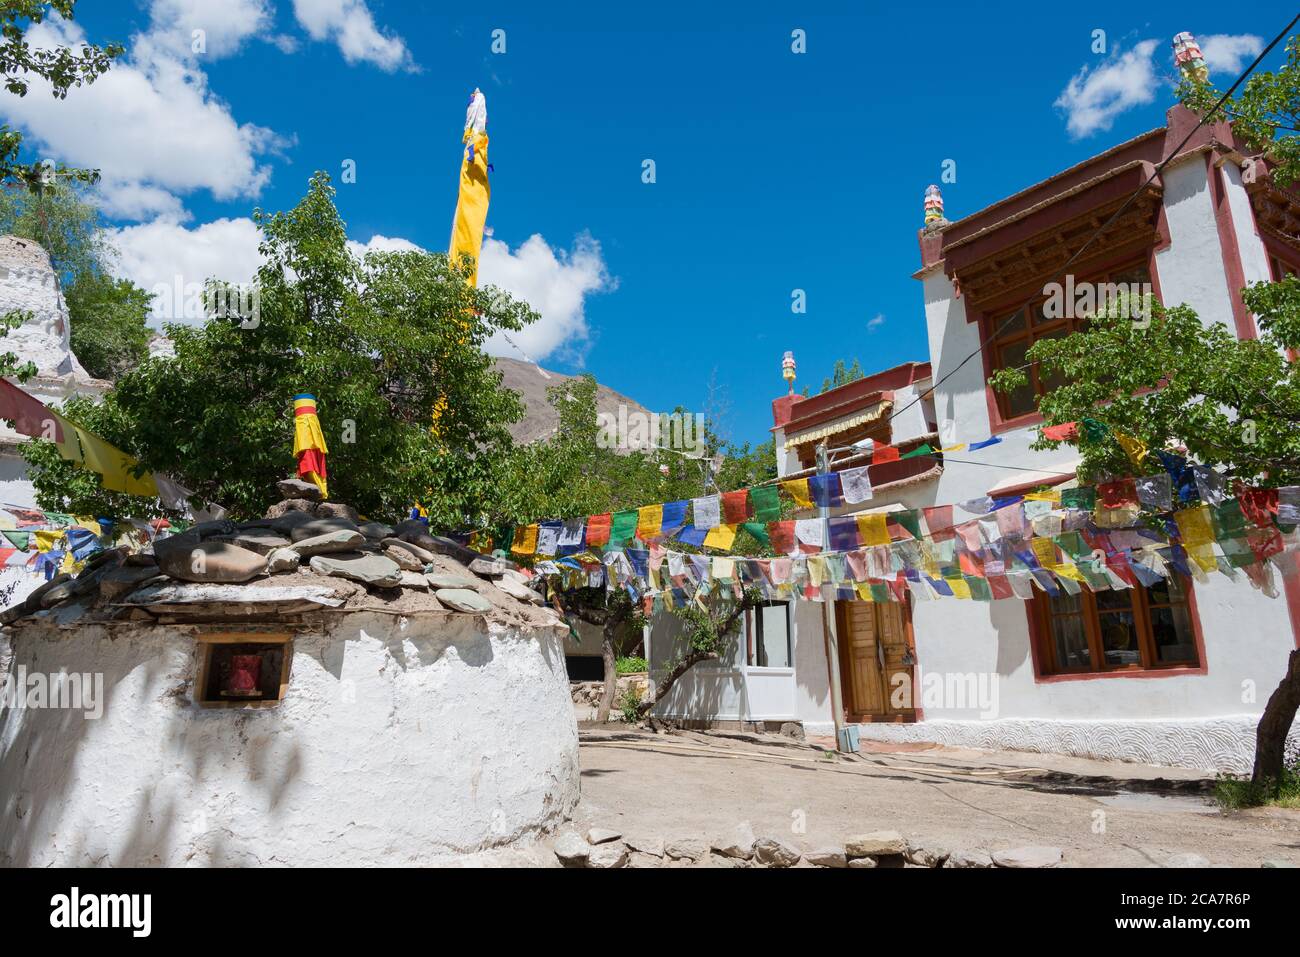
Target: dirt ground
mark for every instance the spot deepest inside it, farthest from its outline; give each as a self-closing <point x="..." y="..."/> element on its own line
<point x="701" y="785"/>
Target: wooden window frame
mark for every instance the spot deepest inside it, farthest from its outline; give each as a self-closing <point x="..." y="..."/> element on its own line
<point x="1043" y="647"/>
<point x="204" y="647"/>
<point x="990" y="316"/>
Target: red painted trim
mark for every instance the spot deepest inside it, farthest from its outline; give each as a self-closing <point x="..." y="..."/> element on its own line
<point x="845" y="399"/>
<point x="1233" y="270"/>
<point x="1192" y="612"/>
<point x="1031" y="485"/>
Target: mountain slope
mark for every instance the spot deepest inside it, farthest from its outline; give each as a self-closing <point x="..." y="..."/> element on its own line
<point x="540" y="420"/>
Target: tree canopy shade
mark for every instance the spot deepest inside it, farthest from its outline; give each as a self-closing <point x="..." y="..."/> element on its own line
<point x="380" y="342"/>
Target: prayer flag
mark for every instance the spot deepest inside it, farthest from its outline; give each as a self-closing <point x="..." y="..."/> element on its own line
<point x="798" y="492"/>
<point x="598" y="527"/>
<point x="735" y="506"/>
<point x="707" y="511"/>
<point x="767" y="503"/>
<point x="856" y="485"/>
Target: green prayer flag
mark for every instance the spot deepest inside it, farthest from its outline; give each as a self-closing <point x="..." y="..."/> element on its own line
<point x="1085" y="498"/>
<point x="766" y="500"/>
<point x="18" y="540"/>
<point x="1072" y="544"/>
<point x="910" y="520"/>
<point x="979" y="588"/>
<point x="1229" y="520"/>
<point x="880" y="593"/>
<point x="1094" y="430"/>
<point x="919" y="450"/>
<point x="759" y="531"/>
<point x="622" y="526"/>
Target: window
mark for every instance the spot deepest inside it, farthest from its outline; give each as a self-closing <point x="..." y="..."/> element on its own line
<point x="768" y="635"/>
<point x="1134" y="629"/>
<point x="242" y="670"/>
<point x="1024" y="328"/>
<point x="1282" y="268"/>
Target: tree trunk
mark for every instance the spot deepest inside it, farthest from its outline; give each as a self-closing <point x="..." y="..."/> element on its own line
<point x="1274" y="725"/>
<point x="683" y="666"/>
<point x="611" y="671"/>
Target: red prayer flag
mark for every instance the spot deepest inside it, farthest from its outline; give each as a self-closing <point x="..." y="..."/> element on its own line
<point x="939" y="521"/>
<point x="1061" y="433"/>
<point x="735" y="507"/>
<point x="883" y="453"/>
<point x="1118" y="494"/>
<point x="598" y="529"/>
<point x="781" y="534"/>
<point x="1259" y="505"/>
<point x="1000" y="587"/>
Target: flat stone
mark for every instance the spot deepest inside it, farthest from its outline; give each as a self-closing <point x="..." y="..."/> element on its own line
<point x="219" y="527"/>
<point x="638" y="859"/>
<point x="773" y="853"/>
<point x="141" y="559"/>
<point x="283" y="560"/>
<point x="343" y="540"/>
<point x="925" y="855"/>
<point x="519" y="592"/>
<point x="602" y="835"/>
<point x="462" y="599"/>
<point x="118" y="581"/>
<point x="1276" y="863"/>
<point x="57" y="594"/>
<point x="420" y="554"/>
<point x="262" y="541"/>
<point x="721" y="860"/>
<point x="367" y="569"/>
<point x="375" y="531"/>
<point x="323" y="526"/>
<point x="966" y="859"/>
<point x="1178" y="860"/>
<point x="686" y="849"/>
<point x="297" y="488"/>
<point x="738" y="844"/>
<point x="875" y="844"/>
<point x="404" y="559"/>
<point x="655" y="848"/>
<point x="1028" y="857"/>
<point x="862" y="862"/>
<point x="286" y="522"/>
<point x="218" y="562"/>
<point x="572" y="850"/>
<point x="182" y="542"/>
<point x="488" y="567"/>
<point x="338" y="510"/>
<point x="414" y="580"/>
<point x="608" y="856"/>
<point x="444" y="580"/>
<point x="828" y="857"/>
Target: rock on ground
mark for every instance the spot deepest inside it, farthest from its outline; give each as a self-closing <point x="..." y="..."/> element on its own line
<point x="686" y="849"/>
<point x="654" y="848"/>
<point x="367" y="569"/>
<point x="462" y="599"/>
<point x="925" y="855"/>
<point x="1186" y="860"/>
<point x="217" y="562"/>
<point x="827" y="857"/>
<point x="572" y="850"/>
<point x="962" y="858"/>
<point x="1026" y="857"/>
<point x="739" y="844"/>
<point x="602" y="835"/>
<point x="608" y="856"/>
<point x="773" y="853"/>
<point x="875" y="844"/>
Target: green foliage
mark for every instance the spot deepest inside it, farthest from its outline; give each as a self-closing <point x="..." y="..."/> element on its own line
<point x="1176" y="381"/>
<point x="1232" y="793"/>
<point x="64" y="221"/>
<point x="710" y="630"/>
<point x="380" y="342"/>
<point x="109" y="331"/>
<point x="1264" y="113"/>
<point x="629" y="704"/>
<point x="630" y="665"/>
<point x="842" y="375"/>
<point x="63" y="67"/>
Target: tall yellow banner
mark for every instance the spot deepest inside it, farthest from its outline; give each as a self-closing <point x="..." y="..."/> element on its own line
<point x="472" y="205"/>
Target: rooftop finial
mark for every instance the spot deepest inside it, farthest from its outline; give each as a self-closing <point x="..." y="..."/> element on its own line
<point x="1188" y="58"/>
<point x="933" y="205"/>
<point x="787" y="369"/>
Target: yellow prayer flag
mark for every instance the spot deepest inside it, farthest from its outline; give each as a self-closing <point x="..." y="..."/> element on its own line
<point x="525" y="542"/>
<point x="1194" y="526"/>
<point x="1133" y="447"/>
<point x="798" y="490"/>
<point x="1051" y="495"/>
<point x="649" y="522"/>
<point x="874" y="529"/>
<point x="959" y="587"/>
<point x="46" y="540"/>
<point x="720" y="536"/>
<point x="1045" y="552"/>
<point x="954" y="448"/>
<point x="816" y="570"/>
<point x="864" y="591"/>
<point x="1068" y="569"/>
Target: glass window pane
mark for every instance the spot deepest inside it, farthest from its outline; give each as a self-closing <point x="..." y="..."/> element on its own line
<point x="1172" y="630"/>
<point x="1011" y="325"/>
<point x="1012" y="356"/>
<point x="1119" y="638"/>
<point x="1071" y="642"/>
<point x="772" y="648"/>
<point x="1114" y="600"/>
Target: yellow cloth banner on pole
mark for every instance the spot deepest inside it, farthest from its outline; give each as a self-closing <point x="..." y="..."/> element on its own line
<point x="472" y="203"/>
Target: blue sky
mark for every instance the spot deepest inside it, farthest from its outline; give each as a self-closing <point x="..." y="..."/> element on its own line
<point x="775" y="171"/>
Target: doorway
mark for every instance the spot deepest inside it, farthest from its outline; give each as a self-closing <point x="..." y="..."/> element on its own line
<point x="877" y="660"/>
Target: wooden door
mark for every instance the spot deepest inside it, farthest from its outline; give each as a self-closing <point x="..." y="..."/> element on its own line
<point x="875" y="644"/>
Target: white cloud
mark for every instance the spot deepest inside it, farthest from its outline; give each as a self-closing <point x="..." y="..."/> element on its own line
<point x="350" y="24"/>
<point x="162" y="255"/>
<point x="555" y="283"/>
<point x="150" y="124"/>
<point x="1094" y="97"/>
<point x="225" y="25"/>
<point x="875" y="322"/>
<point x="1226" y="53"/>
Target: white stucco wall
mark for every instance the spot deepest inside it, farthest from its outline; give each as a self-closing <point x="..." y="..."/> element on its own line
<point x="1191" y="266"/>
<point x="399" y="741"/>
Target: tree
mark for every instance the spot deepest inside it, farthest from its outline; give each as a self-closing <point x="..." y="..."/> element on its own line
<point x="575" y="473"/>
<point x="62" y="67"/>
<point x="109" y="320"/>
<point x="1179" y="382"/>
<point x="842" y="375"/>
<point x="380" y="342"/>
